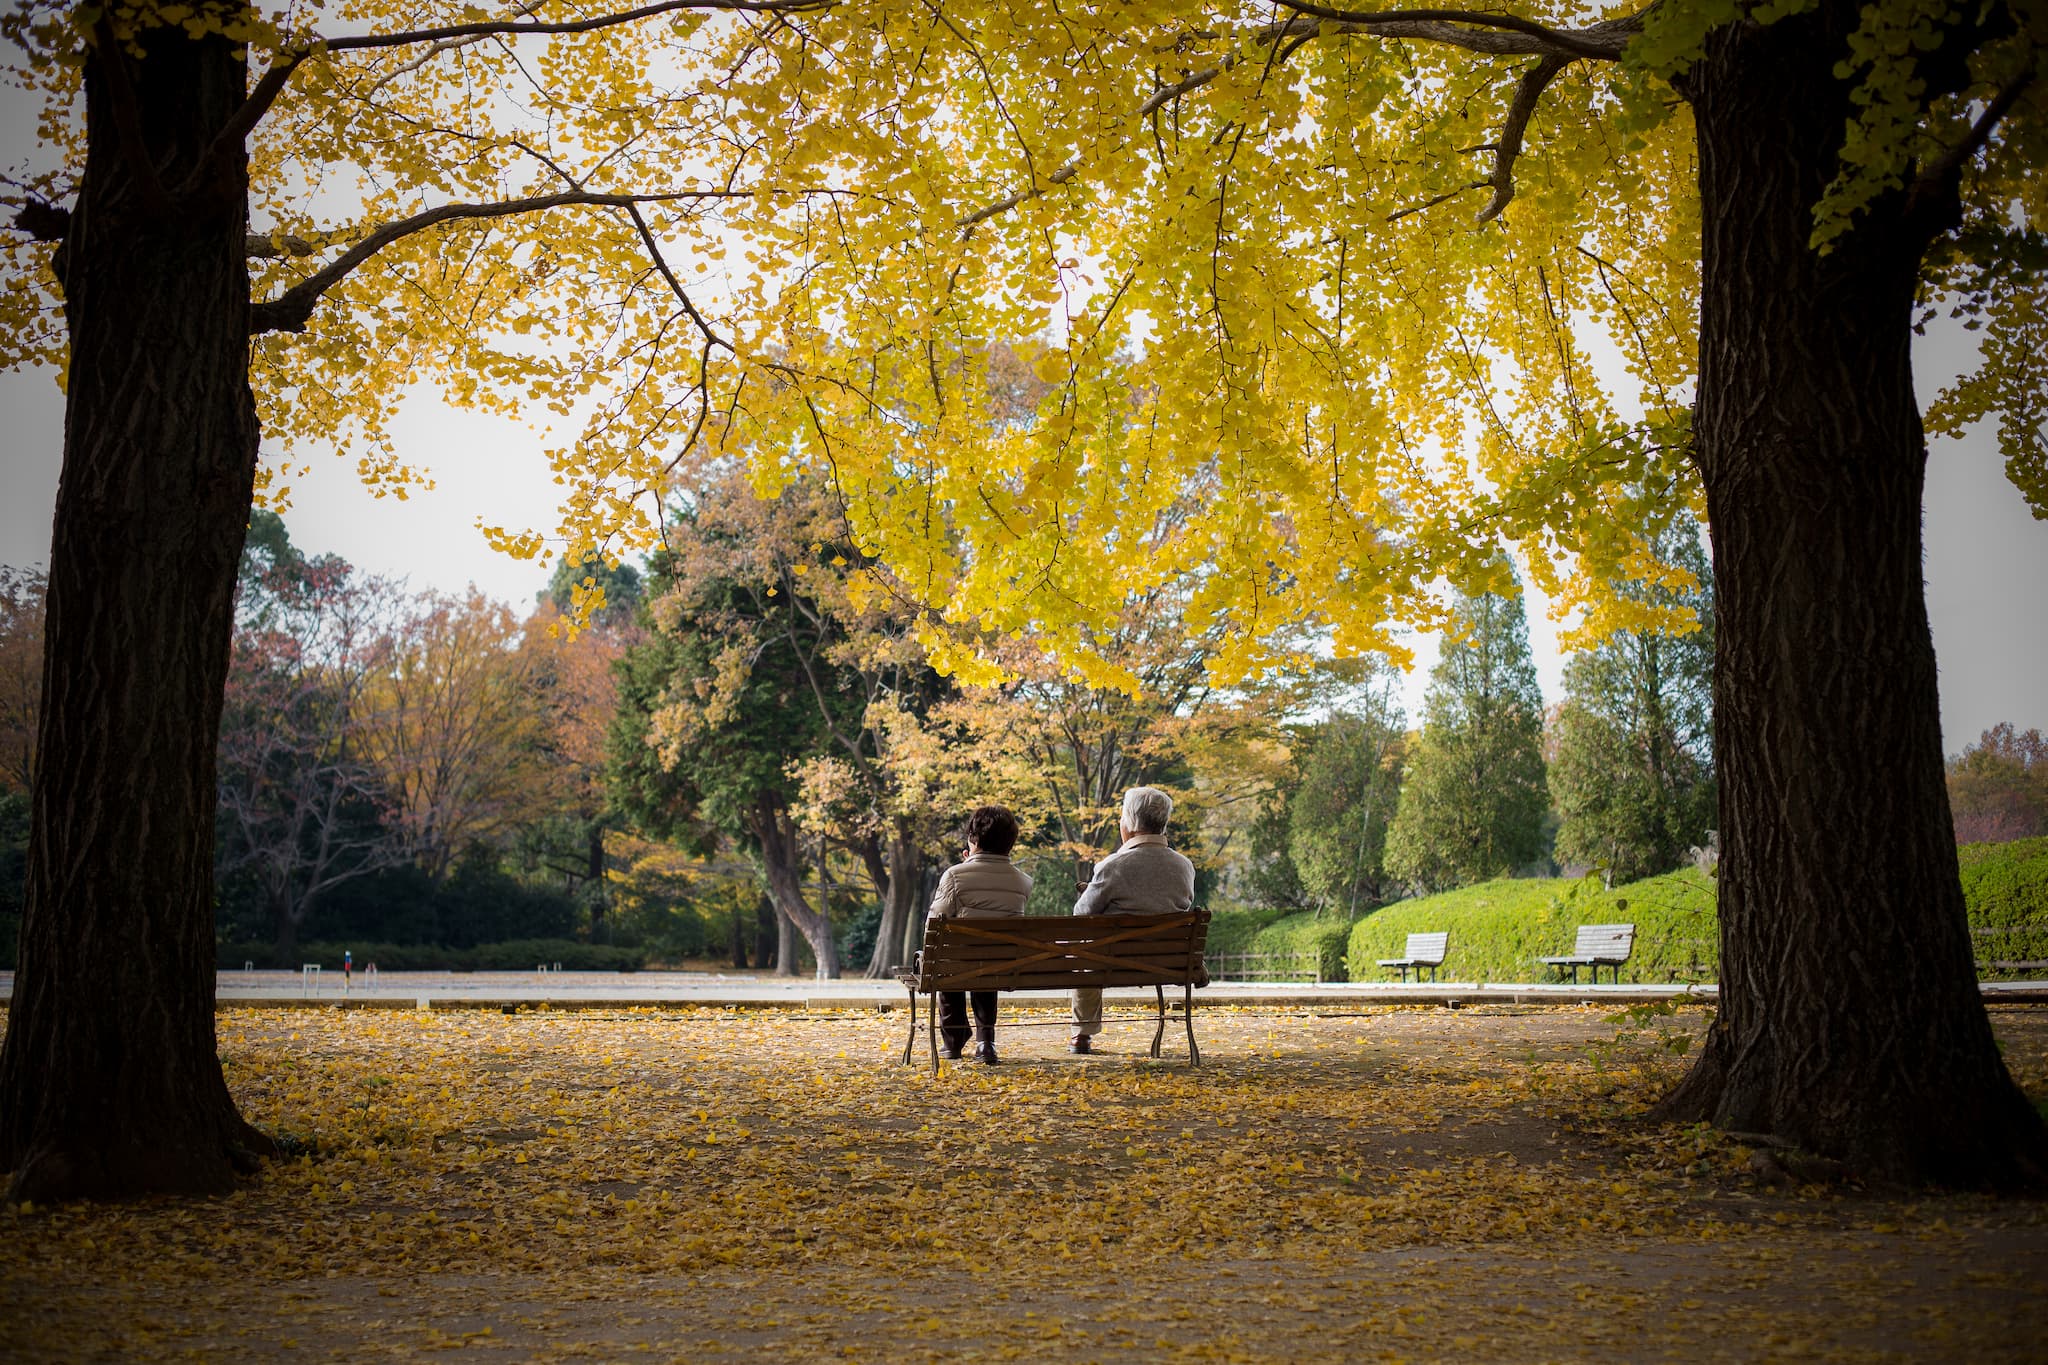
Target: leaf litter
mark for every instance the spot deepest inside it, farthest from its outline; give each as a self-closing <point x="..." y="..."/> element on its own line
<point x="1390" y="1184"/>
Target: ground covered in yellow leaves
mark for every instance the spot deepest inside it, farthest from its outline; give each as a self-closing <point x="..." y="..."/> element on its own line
<point x="1390" y="1183"/>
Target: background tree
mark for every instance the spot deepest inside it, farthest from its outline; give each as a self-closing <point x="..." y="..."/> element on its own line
<point x="1339" y="815"/>
<point x="301" y="805"/>
<point x="1632" y="766"/>
<point x="1998" y="787"/>
<point x="21" y="674"/>
<point x="717" y="705"/>
<point x="1473" y="801"/>
<point x="456" y="727"/>
<point x="574" y="670"/>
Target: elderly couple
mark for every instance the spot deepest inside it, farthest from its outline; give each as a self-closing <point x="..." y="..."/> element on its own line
<point x="1143" y="877"/>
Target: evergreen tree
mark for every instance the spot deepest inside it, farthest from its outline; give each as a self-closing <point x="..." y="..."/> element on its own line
<point x="1473" y="803"/>
<point x="1339" y="815"/>
<point x="1633" y="761"/>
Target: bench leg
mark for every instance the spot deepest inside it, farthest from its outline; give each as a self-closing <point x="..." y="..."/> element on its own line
<point x="910" y="1040"/>
<point x="1187" y="1010"/>
<point x="1159" y="1030"/>
<point x="932" y="1031"/>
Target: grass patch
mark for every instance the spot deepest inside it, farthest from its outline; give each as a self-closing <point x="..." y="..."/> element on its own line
<point x="1498" y="929"/>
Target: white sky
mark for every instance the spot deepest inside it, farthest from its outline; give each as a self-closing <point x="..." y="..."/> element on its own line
<point x="1987" y="558"/>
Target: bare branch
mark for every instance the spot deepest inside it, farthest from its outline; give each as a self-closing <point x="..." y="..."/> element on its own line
<point x="289" y="311"/>
<point x="1527" y="92"/>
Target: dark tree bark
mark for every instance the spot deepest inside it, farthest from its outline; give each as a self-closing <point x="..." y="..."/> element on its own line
<point x="739" y="939"/>
<point x="109" y="1080"/>
<point x="1850" y="1019"/>
<point x="771" y="935"/>
<point x="901" y="886"/>
<point x="782" y="862"/>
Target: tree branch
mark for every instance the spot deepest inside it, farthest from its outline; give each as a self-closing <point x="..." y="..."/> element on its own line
<point x="1475" y="31"/>
<point x="486" y="28"/>
<point x="675" y="285"/>
<point x="258" y="246"/>
<point x="289" y="311"/>
<point x="1479" y="31"/>
<point x="271" y="85"/>
<point x="1527" y="92"/>
<point x="1431" y="203"/>
<point x="1942" y="178"/>
<point x="228" y="142"/>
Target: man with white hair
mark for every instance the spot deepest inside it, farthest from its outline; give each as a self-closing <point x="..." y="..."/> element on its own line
<point x="1143" y="877"/>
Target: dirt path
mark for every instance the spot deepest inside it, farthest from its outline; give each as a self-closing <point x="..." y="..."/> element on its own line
<point x="1399" y="1184"/>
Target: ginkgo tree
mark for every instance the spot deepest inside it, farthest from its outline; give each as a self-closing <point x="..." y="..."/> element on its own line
<point x="399" y="181"/>
<point x="1380" y="289"/>
<point x="1348" y="296"/>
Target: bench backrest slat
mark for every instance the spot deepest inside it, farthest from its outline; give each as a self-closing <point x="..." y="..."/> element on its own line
<point x="1057" y="952"/>
<point x="1428" y="949"/>
<point x="1605" y="941"/>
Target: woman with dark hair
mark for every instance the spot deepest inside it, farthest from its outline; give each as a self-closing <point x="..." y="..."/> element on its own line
<point x="983" y="883"/>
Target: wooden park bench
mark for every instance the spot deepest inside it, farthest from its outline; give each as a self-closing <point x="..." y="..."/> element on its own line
<point x="1597" y="946"/>
<point x="1059" y="953"/>
<point x="1424" y="953"/>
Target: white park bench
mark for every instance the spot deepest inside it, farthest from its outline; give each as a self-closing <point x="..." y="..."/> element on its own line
<point x="1424" y="953"/>
<point x="1597" y="946"/>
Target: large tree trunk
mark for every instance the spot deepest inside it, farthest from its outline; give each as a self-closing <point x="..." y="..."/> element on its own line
<point x="109" y="1080"/>
<point x="782" y="863"/>
<point x="901" y="889"/>
<point x="1850" y="1019"/>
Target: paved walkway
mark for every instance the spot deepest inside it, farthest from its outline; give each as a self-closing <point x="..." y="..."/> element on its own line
<point x="641" y="990"/>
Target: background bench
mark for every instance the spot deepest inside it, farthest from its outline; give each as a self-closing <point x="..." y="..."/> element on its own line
<point x="1059" y="953"/>
<point x="1425" y="952"/>
<point x="1597" y="946"/>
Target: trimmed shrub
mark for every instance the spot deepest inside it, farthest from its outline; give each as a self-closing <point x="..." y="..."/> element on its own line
<point x="2006" y="885"/>
<point x="513" y="955"/>
<point x="1322" y="938"/>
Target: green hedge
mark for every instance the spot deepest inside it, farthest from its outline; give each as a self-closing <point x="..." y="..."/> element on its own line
<point x="2006" y="885"/>
<point x="1498" y="929"/>
<point x="1308" y="935"/>
<point x="513" y="955"/>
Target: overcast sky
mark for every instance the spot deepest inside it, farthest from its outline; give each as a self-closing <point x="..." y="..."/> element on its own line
<point x="1987" y="558"/>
